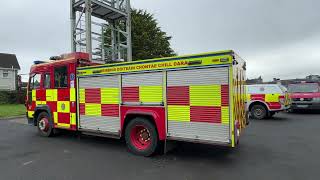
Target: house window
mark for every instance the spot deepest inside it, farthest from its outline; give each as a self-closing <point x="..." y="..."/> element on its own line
<point x="61" y="77"/>
<point x="5" y="74"/>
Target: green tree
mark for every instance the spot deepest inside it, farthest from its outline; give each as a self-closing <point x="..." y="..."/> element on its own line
<point x="148" y="40"/>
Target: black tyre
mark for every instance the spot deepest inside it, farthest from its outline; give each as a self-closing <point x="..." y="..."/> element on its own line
<point x="44" y="125"/>
<point x="141" y="137"/>
<point x="259" y="112"/>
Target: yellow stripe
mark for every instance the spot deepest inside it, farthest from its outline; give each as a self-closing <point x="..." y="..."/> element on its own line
<point x="62" y="125"/>
<point x="179" y="113"/>
<point x="41" y="103"/>
<point x="272" y="97"/>
<point x="82" y="96"/>
<point x="72" y="94"/>
<point x="150" y="94"/>
<point x="110" y="95"/>
<point x="248" y="96"/>
<point x="55" y="117"/>
<point x="51" y="94"/>
<point x="63" y="106"/>
<point x="180" y="63"/>
<point x="73" y="119"/>
<point x="206" y="95"/>
<point x="30" y="114"/>
<point x="225" y="115"/>
<point x="93" y="109"/>
<point x="232" y="83"/>
<point x="34" y="95"/>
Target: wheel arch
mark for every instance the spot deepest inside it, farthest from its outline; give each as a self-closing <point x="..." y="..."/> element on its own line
<point x="40" y="109"/>
<point x="152" y="116"/>
<point x="252" y="103"/>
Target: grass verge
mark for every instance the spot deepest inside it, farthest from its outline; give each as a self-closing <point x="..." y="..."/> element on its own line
<point x="12" y="110"/>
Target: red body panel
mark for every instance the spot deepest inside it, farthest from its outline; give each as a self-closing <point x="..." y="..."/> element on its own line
<point x="260" y="97"/>
<point x="93" y="96"/>
<point x="274" y="105"/>
<point x="53" y="106"/>
<point x="158" y="114"/>
<point x="225" y="95"/>
<point x="178" y="95"/>
<point x="130" y="94"/>
<point x="110" y="110"/>
<point x="82" y="109"/>
<point x="206" y="114"/>
<point x="64" y="118"/>
<point x="64" y="94"/>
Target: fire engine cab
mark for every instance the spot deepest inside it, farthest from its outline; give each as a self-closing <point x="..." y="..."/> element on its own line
<point x="198" y="98"/>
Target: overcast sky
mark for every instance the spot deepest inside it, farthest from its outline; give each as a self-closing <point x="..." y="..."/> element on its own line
<point x="277" y="38"/>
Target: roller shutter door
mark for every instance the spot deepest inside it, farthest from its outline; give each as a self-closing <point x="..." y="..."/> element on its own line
<point x="198" y="104"/>
<point x="142" y="89"/>
<point x="99" y="99"/>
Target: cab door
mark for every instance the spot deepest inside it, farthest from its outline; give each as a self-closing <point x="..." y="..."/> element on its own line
<point x="64" y="94"/>
<point x="34" y="94"/>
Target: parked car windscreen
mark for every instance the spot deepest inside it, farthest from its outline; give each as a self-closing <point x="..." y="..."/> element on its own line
<point x="264" y="89"/>
<point x="304" y="88"/>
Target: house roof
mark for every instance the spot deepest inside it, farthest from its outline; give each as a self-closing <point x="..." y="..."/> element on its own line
<point x="9" y="61"/>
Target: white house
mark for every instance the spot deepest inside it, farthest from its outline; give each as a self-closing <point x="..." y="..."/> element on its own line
<point x="9" y="68"/>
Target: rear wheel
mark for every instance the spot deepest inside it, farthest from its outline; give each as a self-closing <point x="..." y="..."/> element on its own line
<point x="44" y="126"/>
<point x="258" y="111"/>
<point x="141" y="137"/>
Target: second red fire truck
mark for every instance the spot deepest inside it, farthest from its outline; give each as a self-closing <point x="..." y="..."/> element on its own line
<point x="198" y="98"/>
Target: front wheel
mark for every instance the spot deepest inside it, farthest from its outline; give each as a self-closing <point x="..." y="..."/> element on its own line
<point x="258" y="112"/>
<point x="45" y="128"/>
<point x="141" y="137"/>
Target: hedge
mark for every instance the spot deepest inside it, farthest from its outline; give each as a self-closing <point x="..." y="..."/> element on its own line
<point x="12" y="97"/>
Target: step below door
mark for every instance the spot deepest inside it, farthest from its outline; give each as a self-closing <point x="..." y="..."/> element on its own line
<point x="99" y="99"/>
<point x="198" y="104"/>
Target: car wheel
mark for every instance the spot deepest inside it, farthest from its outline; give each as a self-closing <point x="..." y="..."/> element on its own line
<point x="258" y="112"/>
<point x="141" y="137"/>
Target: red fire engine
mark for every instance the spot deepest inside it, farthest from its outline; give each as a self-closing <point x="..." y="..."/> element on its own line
<point x="199" y="98"/>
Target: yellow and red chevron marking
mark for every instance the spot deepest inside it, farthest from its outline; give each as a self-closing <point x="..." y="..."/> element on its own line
<point x="99" y="102"/>
<point x="144" y="94"/>
<point x="272" y="100"/>
<point x="199" y="103"/>
<point x="61" y="103"/>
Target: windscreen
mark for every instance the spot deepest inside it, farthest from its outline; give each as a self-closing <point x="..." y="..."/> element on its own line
<point x="304" y="88"/>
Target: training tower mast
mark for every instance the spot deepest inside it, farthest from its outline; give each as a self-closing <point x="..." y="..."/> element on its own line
<point x="102" y="28"/>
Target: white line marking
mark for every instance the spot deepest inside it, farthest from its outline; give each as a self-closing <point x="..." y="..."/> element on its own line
<point x="27" y="163"/>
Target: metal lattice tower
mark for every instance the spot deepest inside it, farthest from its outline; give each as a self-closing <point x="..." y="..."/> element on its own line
<point x="102" y="28"/>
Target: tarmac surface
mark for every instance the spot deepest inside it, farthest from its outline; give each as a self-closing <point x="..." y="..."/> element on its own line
<point x="286" y="147"/>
